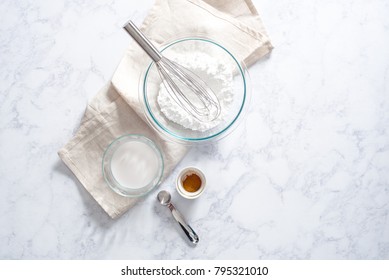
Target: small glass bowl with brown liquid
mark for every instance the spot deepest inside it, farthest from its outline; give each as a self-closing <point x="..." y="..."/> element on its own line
<point x="190" y="182"/>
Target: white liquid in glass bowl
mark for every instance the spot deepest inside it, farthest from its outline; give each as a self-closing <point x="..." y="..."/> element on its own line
<point x="132" y="165"/>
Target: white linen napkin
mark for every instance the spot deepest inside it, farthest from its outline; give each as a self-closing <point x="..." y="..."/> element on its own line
<point x="116" y="110"/>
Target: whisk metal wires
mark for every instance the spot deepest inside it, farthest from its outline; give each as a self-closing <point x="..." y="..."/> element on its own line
<point x="185" y="87"/>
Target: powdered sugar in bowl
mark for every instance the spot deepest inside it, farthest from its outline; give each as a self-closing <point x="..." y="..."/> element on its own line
<point x="219" y="69"/>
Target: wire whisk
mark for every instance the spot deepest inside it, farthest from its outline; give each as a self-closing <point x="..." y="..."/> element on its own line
<point x="187" y="89"/>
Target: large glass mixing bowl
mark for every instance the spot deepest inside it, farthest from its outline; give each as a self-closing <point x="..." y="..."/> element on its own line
<point x="151" y="83"/>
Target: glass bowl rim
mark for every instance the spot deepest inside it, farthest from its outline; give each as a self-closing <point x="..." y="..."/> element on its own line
<point x="154" y="122"/>
<point x="150" y="143"/>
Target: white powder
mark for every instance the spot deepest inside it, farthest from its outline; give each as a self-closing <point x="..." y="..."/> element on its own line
<point x="215" y="74"/>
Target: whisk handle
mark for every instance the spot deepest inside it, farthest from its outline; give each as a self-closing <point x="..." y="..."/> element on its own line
<point x="142" y="41"/>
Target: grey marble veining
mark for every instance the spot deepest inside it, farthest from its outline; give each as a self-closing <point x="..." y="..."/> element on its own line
<point x="305" y="176"/>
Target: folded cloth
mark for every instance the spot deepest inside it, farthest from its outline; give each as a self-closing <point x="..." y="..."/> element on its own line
<point x="116" y="110"/>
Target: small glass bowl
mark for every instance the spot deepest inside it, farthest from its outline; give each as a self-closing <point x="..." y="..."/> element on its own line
<point x="150" y="83"/>
<point x="107" y="171"/>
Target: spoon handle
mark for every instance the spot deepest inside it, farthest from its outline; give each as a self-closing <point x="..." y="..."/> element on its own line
<point x="190" y="233"/>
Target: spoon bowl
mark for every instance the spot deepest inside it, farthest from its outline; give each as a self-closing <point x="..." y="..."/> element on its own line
<point x="164" y="197"/>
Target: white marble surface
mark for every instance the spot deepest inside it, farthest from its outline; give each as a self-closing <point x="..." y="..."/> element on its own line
<point x="306" y="176"/>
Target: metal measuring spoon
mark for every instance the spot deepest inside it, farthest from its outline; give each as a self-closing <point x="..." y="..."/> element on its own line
<point x="164" y="198"/>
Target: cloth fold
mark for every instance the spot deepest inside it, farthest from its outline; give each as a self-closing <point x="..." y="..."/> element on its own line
<point x="116" y="110"/>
